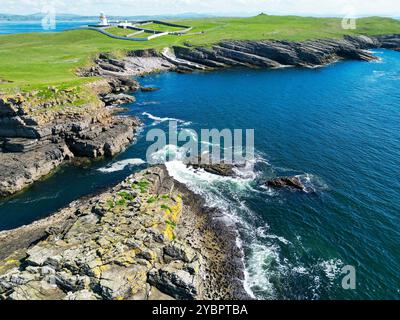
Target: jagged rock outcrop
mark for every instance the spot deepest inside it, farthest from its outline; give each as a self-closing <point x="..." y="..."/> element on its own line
<point x="19" y="170"/>
<point x="146" y="238"/>
<point x="219" y="168"/>
<point x="287" y="182"/>
<point x="136" y="63"/>
<point x="112" y="99"/>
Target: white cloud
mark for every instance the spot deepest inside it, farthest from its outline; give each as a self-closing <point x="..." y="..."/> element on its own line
<point x="139" y="7"/>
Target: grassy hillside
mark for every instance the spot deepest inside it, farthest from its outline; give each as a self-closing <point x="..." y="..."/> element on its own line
<point x="38" y="60"/>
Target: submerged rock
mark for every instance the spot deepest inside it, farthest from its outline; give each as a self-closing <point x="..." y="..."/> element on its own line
<point x="149" y="89"/>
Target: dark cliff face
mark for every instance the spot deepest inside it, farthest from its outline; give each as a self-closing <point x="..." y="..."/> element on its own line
<point x="275" y="54"/>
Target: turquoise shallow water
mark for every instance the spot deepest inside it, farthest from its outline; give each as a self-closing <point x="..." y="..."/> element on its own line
<point x="338" y="127"/>
<point x="10" y="27"/>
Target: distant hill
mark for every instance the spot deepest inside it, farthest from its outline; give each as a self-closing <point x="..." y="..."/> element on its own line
<point x="74" y="17"/>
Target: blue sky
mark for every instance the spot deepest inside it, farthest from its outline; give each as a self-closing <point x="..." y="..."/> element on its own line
<point x="231" y="7"/>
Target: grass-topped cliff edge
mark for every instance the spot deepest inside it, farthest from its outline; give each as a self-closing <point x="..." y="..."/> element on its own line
<point x="36" y="61"/>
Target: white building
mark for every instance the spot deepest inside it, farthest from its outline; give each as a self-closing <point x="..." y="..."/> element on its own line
<point x="124" y="24"/>
<point x="103" y="22"/>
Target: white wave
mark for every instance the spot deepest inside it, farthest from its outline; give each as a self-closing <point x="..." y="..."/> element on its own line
<point x="148" y="103"/>
<point x="160" y="120"/>
<point x="169" y="152"/>
<point x="121" y="165"/>
<point x="332" y="268"/>
<point x="262" y="232"/>
<point x="258" y="277"/>
<point x="312" y="183"/>
<point x="191" y="133"/>
<point x="34" y="200"/>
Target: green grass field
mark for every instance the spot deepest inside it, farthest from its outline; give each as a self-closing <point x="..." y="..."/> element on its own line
<point x="37" y="60"/>
<point x="120" y="31"/>
<point x="160" y="27"/>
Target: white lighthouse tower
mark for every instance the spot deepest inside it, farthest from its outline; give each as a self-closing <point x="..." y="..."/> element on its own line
<point x="103" y="20"/>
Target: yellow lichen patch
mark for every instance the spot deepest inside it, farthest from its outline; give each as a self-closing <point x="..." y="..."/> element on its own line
<point x="137" y="279"/>
<point x="11" y="261"/>
<point x="99" y="270"/>
<point x="171" y="217"/>
<point x="169" y="233"/>
<point x="127" y="258"/>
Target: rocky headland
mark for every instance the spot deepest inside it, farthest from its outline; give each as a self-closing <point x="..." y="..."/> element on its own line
<point x="146" y="238"/>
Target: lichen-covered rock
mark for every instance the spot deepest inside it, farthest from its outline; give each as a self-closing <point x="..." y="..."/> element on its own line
<point x="112" y="99"/>
<point x="84" y="295"/>
<point x="179" y="251"/>
<point x="115" y="246"/>
<point x="175" y="281"/>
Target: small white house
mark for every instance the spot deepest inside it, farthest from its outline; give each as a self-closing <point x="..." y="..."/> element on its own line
<point x="124" y="24"/>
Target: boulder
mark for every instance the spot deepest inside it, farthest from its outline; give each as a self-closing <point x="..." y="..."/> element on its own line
<point x="120" y="282"/>
<point x="179" y="251"/>
<point x="112" y="99"/>
<point x="218" y="168"/>
<point x="291" y="182"/>
<point x="83" y="295"/>
<point x="175" y="281"/>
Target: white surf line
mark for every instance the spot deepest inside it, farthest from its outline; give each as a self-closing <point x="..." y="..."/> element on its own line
<point x="121" y="165"/>
<point x="159" y="119"/>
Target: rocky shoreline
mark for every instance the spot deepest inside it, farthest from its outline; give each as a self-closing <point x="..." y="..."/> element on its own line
<point x="253" y="54"/>
<point x="149" y="237"/>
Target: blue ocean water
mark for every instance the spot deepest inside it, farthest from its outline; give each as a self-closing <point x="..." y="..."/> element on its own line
<point x="9" y="27"/>
<point x="337" y="127"/>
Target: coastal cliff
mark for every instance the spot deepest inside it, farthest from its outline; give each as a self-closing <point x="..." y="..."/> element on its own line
<point x="253" y="54"/>
<point x="146" y="238"/>
<point x="38" y="134"/>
